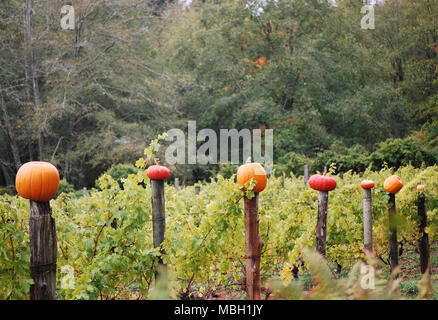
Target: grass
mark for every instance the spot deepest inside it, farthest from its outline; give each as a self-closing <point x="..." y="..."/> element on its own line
<point x="410" y="272"/>
<point x="410" y="266"/>
<point x="409" y="288"/>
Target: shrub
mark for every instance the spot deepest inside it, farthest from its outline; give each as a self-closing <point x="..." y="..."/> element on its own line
<point x="119" y="172"/>
<point x="401" y="152"/>
<point x="354" y="158"/>
<point x="292" y="162"/>
<point x="226" y="170"/>
<point x="64" y="187"/>
<point x="8" y="190"/>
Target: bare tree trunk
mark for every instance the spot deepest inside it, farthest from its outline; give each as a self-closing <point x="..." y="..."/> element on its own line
<point x="10" y="133"/>
<point x="48" y="8"/>
<point x="253" y="247"/>
<point x="321" y="226"/>
<point x="33" y="70"/>
<point x="43" y="251"/>
<point x="78" y="40"/>
<point x="26" y="57"/>
<point x="367" y="221"/>
<point x="6" y="175"/>
<point x="66" y="169"/>
<point x="29" y="150"/>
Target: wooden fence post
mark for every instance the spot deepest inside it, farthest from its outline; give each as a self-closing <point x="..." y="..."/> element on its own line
<point x="367" y="221"/>
<point x="197" y="190"/>
<point x="176" y="184"/>
<point x="253" y="247"/>
<point x="158" y="214"/>
<point x="306" y="174"/>
<point x="85" y="192"/>
<point x="321" y="226"/>
<point x="423" y="242"/>
<point x="393" y="244"/>
<point x="43" y="251"/>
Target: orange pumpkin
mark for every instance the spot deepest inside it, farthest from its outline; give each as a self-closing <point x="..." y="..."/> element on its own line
<point x="420" y="187"/>
<point x="367" y="184"/>
<point x="254" y="171"/>
<point x="322" y="182"/>
<point x="157" y="172"/>
<point x="37" y="180"/>
<point x="262" y="61"/>
<point x="393" y="184"/>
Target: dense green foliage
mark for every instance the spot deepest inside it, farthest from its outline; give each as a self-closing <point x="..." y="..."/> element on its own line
<point x="333" y="92"/>
<point x="392" y="152"/>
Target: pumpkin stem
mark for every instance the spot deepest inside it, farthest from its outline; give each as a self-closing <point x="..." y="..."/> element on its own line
<point x="248" y="160"/>
<point x="156" y="161"/>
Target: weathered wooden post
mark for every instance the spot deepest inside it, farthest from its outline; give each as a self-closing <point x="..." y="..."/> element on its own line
<point x="197" y="190"/>
<point x="43" y="251"/>
<point x="176" y="184"/>
<point x="423" y="242"/>
<point x="393" y="243"/>
<point x="85" y="193"/>
<point x="321" y="226"/>
<point x="306" y="174"/>
<point x="367" y="185"/>
<point x="39" y="181"/>
<point x="253" y="241"/>
<point x="323" y="184"/>
<point x="253" y="247"/>
<point x="158" y="212"/>
<point x="158" y="174"/>
<point x="392" y="185"/>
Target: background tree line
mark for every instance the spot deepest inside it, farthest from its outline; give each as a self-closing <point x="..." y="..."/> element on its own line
<point x="93" y="97"/>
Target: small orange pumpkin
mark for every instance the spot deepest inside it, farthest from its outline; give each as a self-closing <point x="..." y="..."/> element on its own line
<point x="262" y="61"/>
<point x="393" y="184"/>
<point x="367" y="184"/>
<point x="254" y="171"/>
<point x="37" y="180"/>
<point x="420" y="187"/>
